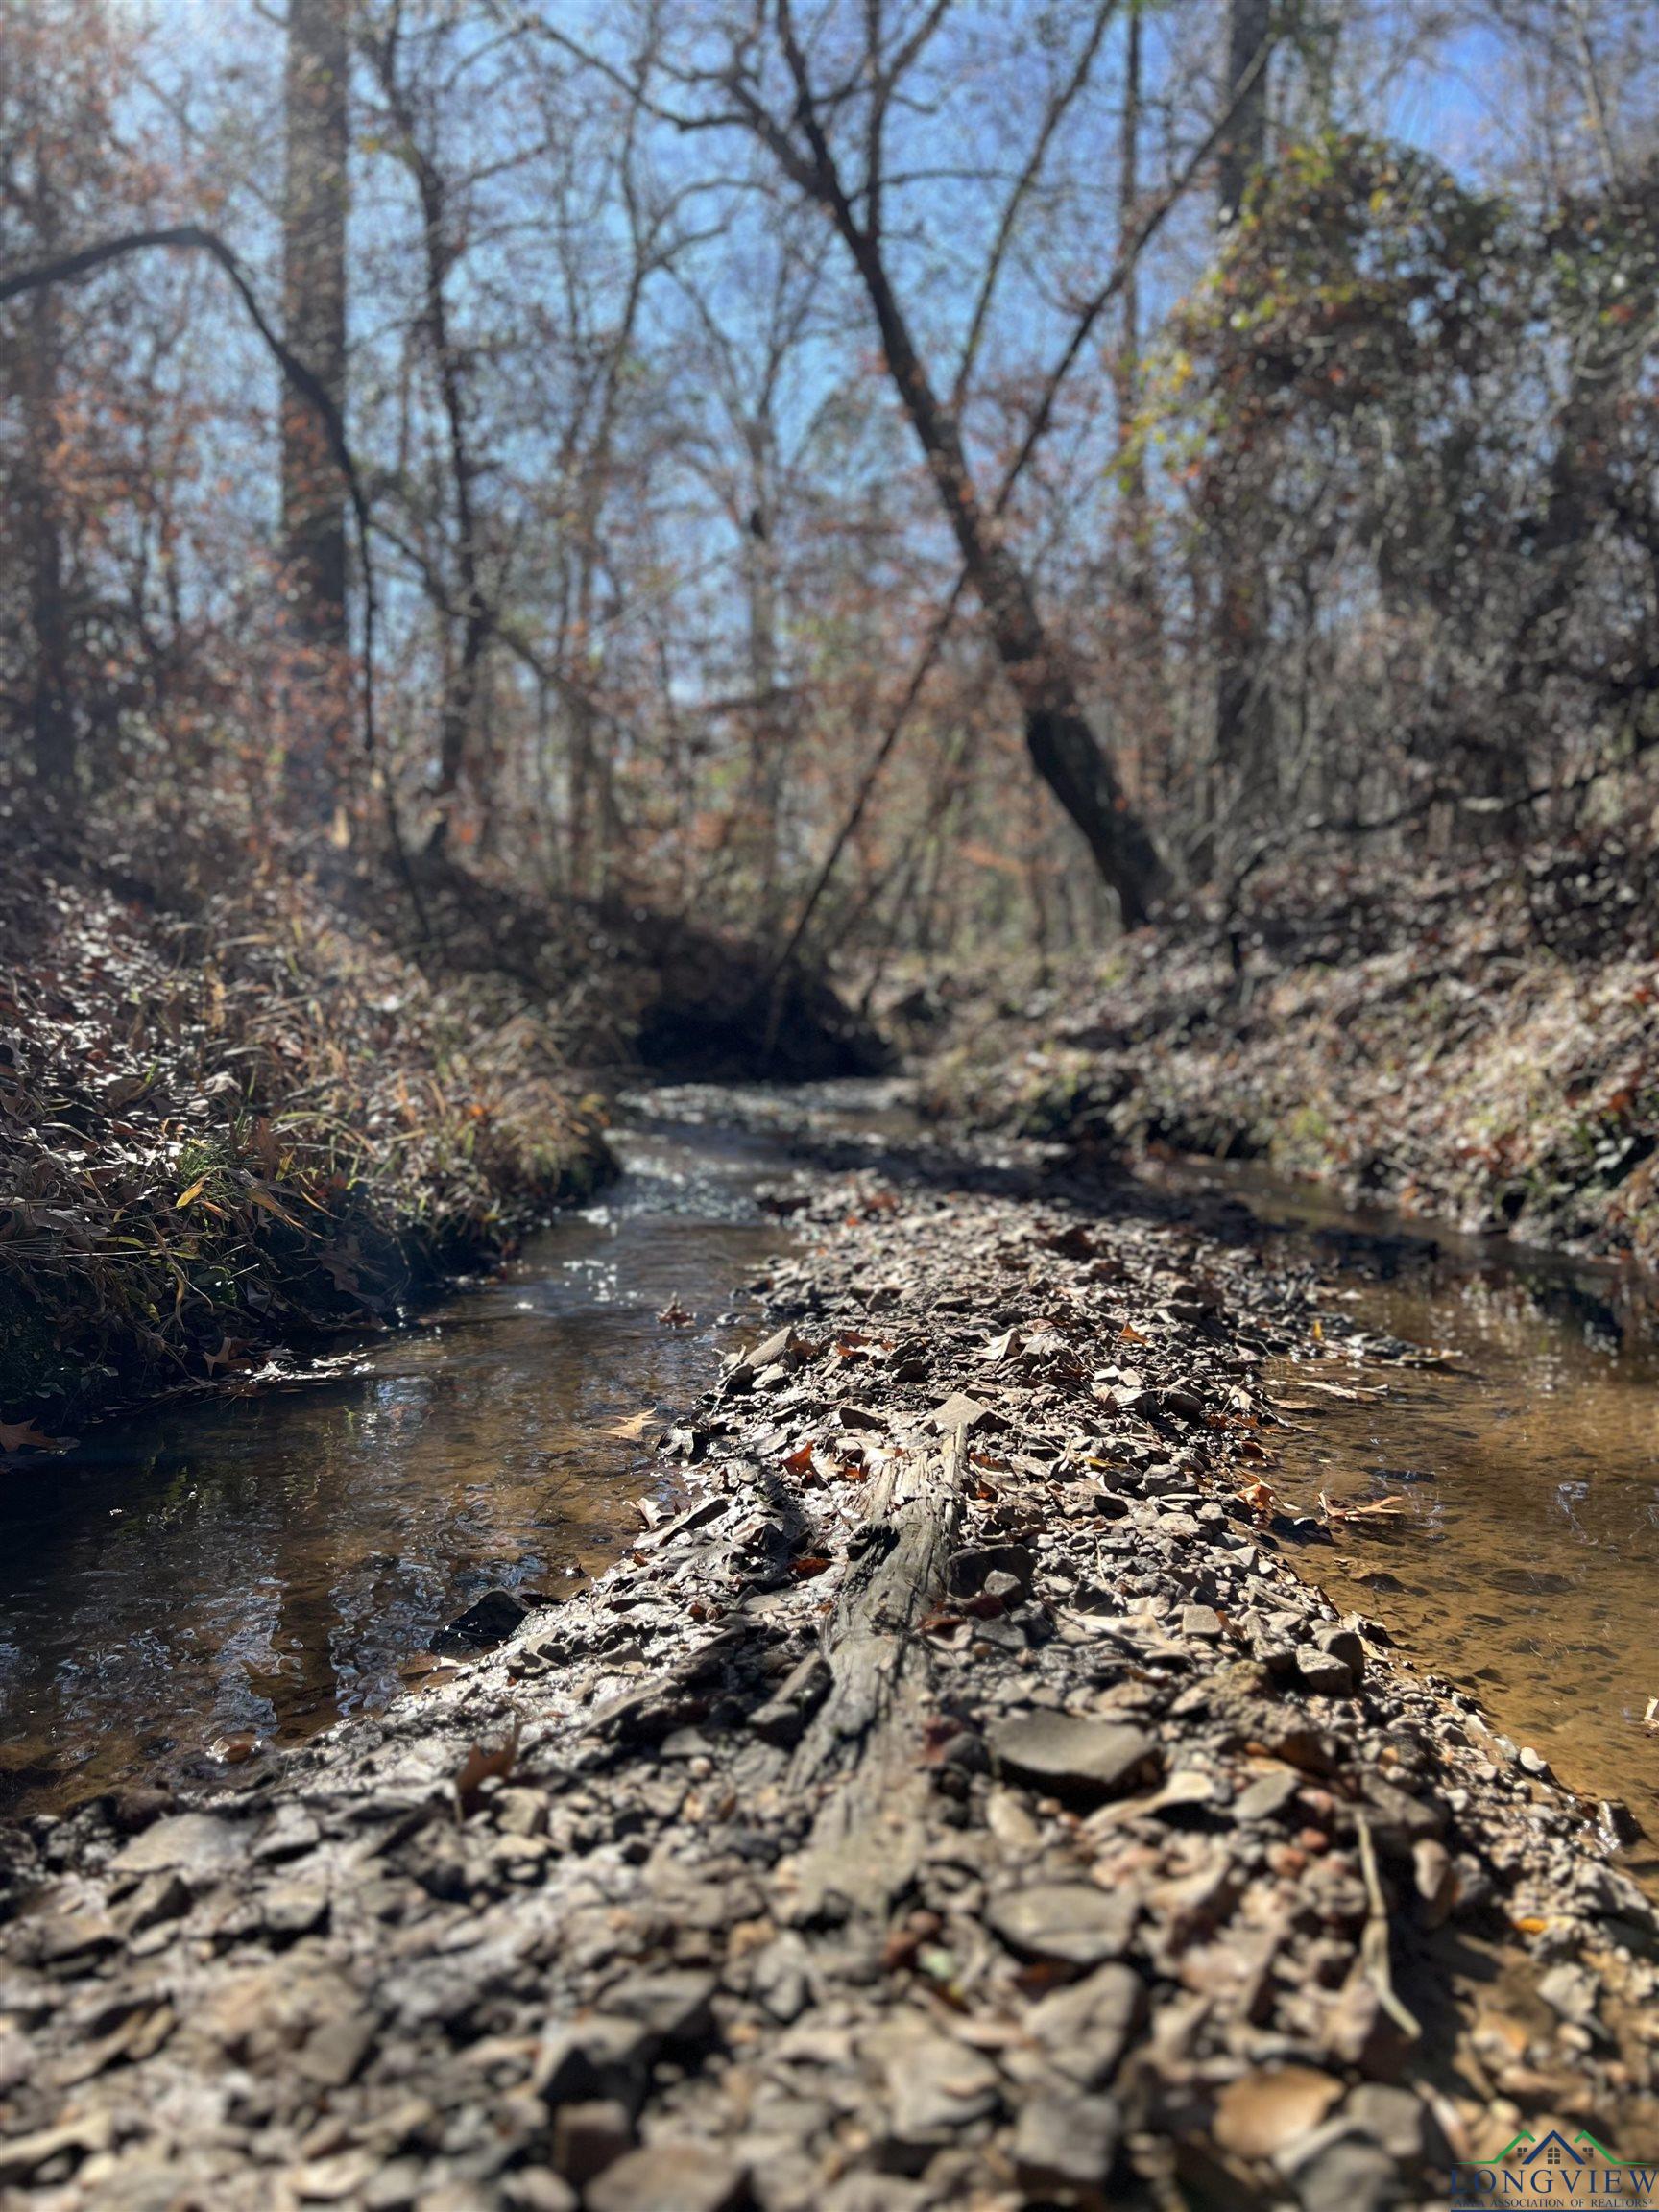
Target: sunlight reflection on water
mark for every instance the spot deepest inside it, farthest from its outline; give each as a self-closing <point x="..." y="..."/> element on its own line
<point x="258" y="1566"/>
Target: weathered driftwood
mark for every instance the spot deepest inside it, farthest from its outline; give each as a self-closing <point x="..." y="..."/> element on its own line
<point x="863" y="1746"/>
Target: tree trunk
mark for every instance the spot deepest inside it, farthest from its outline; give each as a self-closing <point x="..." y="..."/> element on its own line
<point x="1062" y="746"/>
<point x="51" y="709"/>
<point x="314" y="310"/>
<point x="1246" y="144"/>
<point x="1139" y="625"/>
<point x="1240" y="708"/>
<point x="769" y="736"/>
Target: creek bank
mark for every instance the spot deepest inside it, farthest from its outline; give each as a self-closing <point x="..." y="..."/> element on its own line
<point x="233" y="1127"/>
<point x="1424" y="1043"/>
<point x="954" y="1798"/>
<point x="240" y="1124"/>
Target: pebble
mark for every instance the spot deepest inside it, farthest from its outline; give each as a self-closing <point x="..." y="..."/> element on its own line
<point x="670" y="2176"/>
<point x="1087" y="1760"/>
<point x="1064" y="1923"/>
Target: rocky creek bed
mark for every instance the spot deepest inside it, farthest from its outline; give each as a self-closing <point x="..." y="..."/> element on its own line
<point x="961" y="1799"/>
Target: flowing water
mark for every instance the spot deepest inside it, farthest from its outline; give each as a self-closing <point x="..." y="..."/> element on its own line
<point x="1519" y="1551"/>
<point x="227" y="1570"/>
<point x="230" y="1571"/>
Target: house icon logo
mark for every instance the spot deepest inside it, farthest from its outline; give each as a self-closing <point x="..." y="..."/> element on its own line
<point x="1548" y="2168"/>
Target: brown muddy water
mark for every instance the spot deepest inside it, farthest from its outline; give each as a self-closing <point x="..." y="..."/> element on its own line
<point x="229" y="1569"/>
<point x="1520" y="1556"/>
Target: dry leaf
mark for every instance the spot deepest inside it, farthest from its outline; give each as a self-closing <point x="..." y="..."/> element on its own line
<point x="24" y="1436"/>
<point x="483" y="1766"/>
<point x="1362" y="1509"/>
<point x="1259" y="2113"/>
<point x="261" y="1198"/>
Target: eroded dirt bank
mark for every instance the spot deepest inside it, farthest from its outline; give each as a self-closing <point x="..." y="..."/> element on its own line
<point x="960" y="1800"/>
<point x="1443" y="1043"/>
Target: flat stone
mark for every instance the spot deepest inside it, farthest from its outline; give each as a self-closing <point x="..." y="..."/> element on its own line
<point x="291" y="1832"/>
<point x="486" y="1622"/>
<point x="1342" y="1643"/>
<point x="1200" y="1621"/>
<point x="969" y="1570"/>
<point x="521" y="1812"/>
<point x="1398" y="1821"/>
<point x="1064" y="2146"/>
<point x="674" y="2005"/>
<point x="70" y="1936"/>
<point x="961" y="1411"/>
<point x="589" y="2137"/>
<point x="1085" y="2029"/>
<point x="665" y="2177"/>
<point x="1325" y="1674"/>
<point x="333" y="2053"/>
<point x="935" y="2087"/>
<point x="780" y="1981"/>
<point x="1267" y="1796"/>
<point x="1395" y="2118"/>
<point x="193" y="1844"/>
<point x="1178" y="1528"/>
<point x="289" y="1909"/>
<point x="779" y="1348"/>
<point x="602" y="2055"/>
<point x="860" y="1417"/>
<point x="158" y="1897"/>
<point x="537" y="2189"/>
<point x="1572" y="1993"/>
<point x="331" y="2180"/>
<point x="1064" y="1923"/>
<point x="1350" y="2174"/>
<point x="1071" y="1757"/>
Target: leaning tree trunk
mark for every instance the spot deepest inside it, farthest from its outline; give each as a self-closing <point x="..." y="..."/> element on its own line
<point x="314" y="310"/>
<point x="1063" y="748"/>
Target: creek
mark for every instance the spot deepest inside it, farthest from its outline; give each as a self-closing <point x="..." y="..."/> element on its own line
<point x="228" y="1572"/>
<point x="1508" y="1524"/>
<point x="233" y="1571"/>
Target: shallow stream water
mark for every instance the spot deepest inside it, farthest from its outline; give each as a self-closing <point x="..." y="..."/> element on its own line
<point x="1519" y="1551"/>
<point x="233" y="1571"/>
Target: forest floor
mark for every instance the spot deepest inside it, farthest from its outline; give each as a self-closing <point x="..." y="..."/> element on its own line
<point x="1418" y="1043"/>
<point x="959" y="1800"/>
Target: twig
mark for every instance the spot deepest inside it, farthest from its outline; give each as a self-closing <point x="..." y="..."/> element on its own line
<point x="1374" y="1943"/>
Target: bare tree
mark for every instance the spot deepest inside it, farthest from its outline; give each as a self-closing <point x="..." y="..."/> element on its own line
<point x="822" y="107"/>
